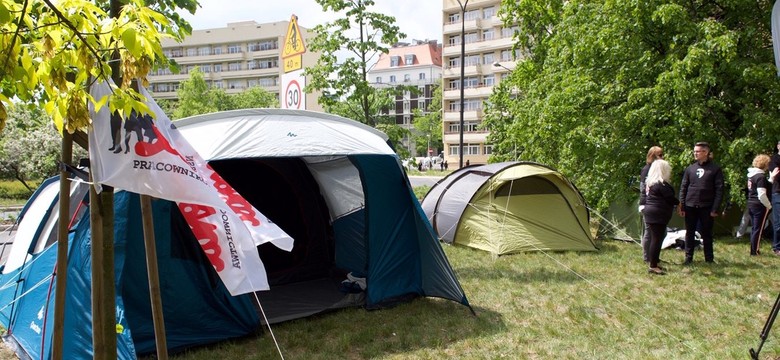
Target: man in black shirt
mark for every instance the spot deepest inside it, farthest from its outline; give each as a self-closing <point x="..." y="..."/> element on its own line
<point x="701" y="192"/>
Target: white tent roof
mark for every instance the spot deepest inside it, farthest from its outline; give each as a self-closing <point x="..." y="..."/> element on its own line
<point x="279" y="133"/>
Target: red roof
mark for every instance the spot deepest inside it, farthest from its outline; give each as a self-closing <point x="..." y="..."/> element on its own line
<point x="428" y="53"/>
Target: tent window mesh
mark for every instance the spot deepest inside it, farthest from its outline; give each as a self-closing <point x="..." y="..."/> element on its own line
<point x="534" y="185"/>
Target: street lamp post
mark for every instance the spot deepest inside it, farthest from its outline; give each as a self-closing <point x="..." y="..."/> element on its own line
<point x="462" y="74"/>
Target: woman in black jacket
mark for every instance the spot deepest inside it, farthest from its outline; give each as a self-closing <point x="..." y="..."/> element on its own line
<point x="659" y="204"/>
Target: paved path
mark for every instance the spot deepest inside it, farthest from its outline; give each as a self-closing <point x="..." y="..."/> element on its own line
<point x="424" y="180"/>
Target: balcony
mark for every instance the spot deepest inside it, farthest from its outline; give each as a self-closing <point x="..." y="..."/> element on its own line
<point x="455" y="27"/>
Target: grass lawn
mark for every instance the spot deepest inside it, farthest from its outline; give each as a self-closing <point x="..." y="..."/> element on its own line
<point x="599" y="305"/>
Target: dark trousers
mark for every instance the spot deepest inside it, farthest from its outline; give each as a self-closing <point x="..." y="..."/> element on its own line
<point x="758" y="217"/>
<point x="776" y="221"/>
<point x="657" y="234"/>
<point x="698" y="219"/>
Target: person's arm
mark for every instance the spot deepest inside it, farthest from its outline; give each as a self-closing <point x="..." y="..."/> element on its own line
<point x="763" y="198"/>
<point x="683" y="192"/>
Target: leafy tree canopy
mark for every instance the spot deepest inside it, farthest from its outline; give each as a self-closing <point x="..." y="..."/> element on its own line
<point x="605" y="80"/>
<point x="53" y="52"/>
<point x="362" y="35"/>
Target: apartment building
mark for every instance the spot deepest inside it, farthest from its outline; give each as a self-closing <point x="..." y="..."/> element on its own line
<point x="235" y="58"/>
<point x="409" y="64"/>
<point x="488" y="59"/>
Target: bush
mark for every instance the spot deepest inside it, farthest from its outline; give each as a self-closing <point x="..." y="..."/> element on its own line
<point x="14" y="190"/>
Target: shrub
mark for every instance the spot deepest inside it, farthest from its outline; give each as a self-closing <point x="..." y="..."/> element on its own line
<point x="14" y="190"/>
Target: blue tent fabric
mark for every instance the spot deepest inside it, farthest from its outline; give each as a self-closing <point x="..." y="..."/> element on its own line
<point x="197" y="308"/>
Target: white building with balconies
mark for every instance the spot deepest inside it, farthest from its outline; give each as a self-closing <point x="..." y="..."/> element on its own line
<point x="488" y="56"/>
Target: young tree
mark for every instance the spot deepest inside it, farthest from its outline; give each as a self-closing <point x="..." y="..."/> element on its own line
<point x="196" y="97"/>
<point x="363" y="35"/>
<point x="255" y="97"/>
<point x="599" y="87"/>
<point x="428" y="127"/>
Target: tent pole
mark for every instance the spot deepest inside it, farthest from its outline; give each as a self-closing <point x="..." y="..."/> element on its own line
<point x="62" y="248"/>
<point x="154" y="278"/>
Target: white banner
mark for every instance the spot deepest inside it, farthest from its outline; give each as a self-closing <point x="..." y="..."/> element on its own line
<point x="150" y="157"/>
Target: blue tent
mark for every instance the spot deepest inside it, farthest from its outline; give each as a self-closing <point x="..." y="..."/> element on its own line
<point x="353" y="215"/>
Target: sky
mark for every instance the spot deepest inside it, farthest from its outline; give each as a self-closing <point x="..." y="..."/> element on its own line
<point x="418" y="19"/>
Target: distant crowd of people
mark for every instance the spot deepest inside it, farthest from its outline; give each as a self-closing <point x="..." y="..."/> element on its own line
<point x="698" y="200"/>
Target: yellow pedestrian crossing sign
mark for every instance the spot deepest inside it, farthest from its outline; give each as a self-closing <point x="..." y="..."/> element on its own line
<point x="293" y="41"/>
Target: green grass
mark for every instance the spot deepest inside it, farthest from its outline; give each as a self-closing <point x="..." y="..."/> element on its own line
<point x="598" y="305"/>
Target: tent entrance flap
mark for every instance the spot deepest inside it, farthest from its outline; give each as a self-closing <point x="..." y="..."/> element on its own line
<point x="285" y="191"/>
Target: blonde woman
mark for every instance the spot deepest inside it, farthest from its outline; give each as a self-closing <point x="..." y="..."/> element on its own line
<point x="659" y="204"/>
<point x="758" y="200"/>
<point x="653" y="154"/>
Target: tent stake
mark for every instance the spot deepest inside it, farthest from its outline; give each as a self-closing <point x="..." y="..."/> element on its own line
<point x="154" y="278"/>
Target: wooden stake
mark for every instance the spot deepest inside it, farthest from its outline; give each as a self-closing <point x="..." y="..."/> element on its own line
<point x="62" y="248"/>
<point x="154" y="278"/>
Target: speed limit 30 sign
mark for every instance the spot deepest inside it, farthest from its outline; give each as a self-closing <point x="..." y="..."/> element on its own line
<point x="292" y="96"/>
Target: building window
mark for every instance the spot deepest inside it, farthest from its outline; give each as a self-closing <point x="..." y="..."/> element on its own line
<point x="234" y="66"/>
<point x="421" y="76"/>
<point x="421" y="105"/>
<point x="506" y="55"/>
<point x="470" y="126"/>
<point x="488" y="80"/>
<point x="217" y="68"/>
<point x="236" y="84"/>
<point x="378" y="80"/>
<point x="395" y="61"/>
<point x="392" y="79"/>
<point x="488" y="149"/>
<point x="472" y="60"/>
<point x="509" y="32"/>
<point x="204" y="50"/>
<point x="454" y="18"/>
<point x="454" y="149"/>
<point x="488" y="34"/>
<point x="454" y="40"/>
<point x="472" y="38"/>
<point x="406" y="106"/>
<point x="471" y="149"/>
<point x="488" y="12"/>
<point x="407" y="119"/>
<point x="407" y="77"/>
<point x="488" y="58"/>
<point x="454" y="62"/>
<point x="409" y="59"/>
<point x="453" y="127"/>
<point x="268" y="81"/>
<point x="234" y="49"/>
<point x="176" y="53"/>
<point x="454" y="84"/>
<point x="472" y="14"/>
<point x="217" y="50"/>
<point x="470" y="82"/>
<point x="205" y="68"/>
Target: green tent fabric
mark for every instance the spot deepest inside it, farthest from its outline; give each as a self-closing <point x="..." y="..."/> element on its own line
<point x="508" y="208"/>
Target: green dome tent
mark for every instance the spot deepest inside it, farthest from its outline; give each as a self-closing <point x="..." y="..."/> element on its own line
<point x="509" y="207"/>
